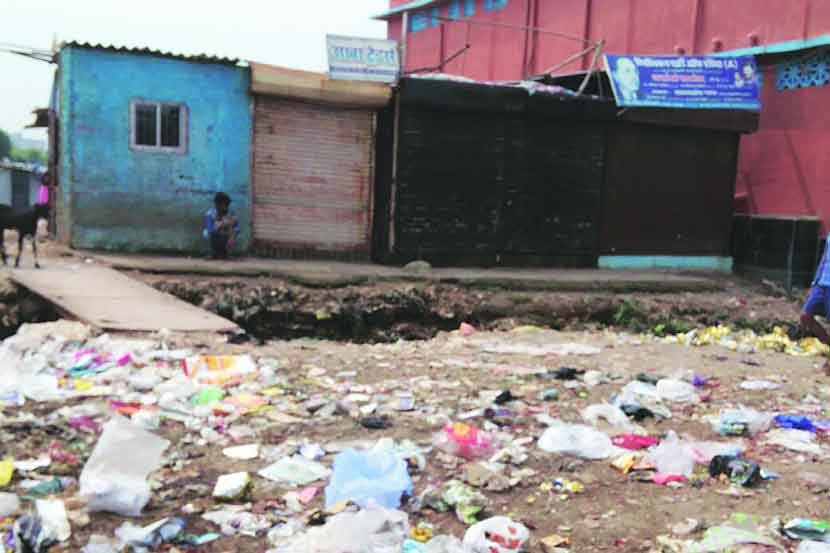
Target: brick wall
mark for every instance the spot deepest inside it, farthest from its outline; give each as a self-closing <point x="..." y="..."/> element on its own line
<point x="312" y="178"/>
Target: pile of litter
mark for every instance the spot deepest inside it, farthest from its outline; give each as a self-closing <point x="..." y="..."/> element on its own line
<point x="138" y="428"/>
<point x="747" y="341"/>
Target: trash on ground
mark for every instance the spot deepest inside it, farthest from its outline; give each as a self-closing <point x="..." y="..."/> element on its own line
<point x="496" y="535"/>
<point x="373" y="529"/>
<point x="366" y="478"/>
<point x="807" y="529"/>
<point x="117" y="482"/>
<point x="465" y="441"/>
<point x="795" y="440"/>
<point x="578" y="440"/>
<point x="232" y="486"/>
<point x="671" y="457"/>
<point x="295" y="471"/>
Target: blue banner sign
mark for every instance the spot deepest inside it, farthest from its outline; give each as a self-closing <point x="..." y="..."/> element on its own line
<point x="696" y="82"/>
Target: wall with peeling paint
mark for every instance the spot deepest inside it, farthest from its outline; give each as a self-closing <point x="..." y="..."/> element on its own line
<point x="117" y="198"/>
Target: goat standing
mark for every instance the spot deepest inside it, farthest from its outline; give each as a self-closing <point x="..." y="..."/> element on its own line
<point x="25" y="222"/>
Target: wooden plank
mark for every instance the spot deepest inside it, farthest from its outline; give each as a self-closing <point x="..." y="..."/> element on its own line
<point x="109" y="300"/>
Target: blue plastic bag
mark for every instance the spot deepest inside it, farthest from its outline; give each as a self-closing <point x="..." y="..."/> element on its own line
<point x="364" y="477"/>
<point x="795" y="422"/>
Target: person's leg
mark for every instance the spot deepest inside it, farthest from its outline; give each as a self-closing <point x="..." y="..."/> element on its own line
<point x="816" y="304"/>
<point x="219" y="245"/>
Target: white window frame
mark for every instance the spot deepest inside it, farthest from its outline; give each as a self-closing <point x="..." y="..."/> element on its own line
<point x="184" y="116"/>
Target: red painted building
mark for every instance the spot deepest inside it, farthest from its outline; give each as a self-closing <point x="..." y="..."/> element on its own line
<point x="783" y="168"/>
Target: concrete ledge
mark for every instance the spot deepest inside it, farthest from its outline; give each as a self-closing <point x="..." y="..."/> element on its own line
<point x="676" y="262"/>
<point x="320" y="274"/>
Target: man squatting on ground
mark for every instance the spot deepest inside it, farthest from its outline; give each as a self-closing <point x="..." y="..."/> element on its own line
<point x="221" y="227"/>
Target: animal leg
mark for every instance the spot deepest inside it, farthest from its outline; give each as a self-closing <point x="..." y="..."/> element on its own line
<point x="34" y="250"/>
<point x="19" y="249"/>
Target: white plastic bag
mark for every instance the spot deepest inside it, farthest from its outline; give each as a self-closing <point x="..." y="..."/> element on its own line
<point x="444" y="544"/>
<point x="496" y="535"/>
<point x="295" y="471"/>
<point x="676" y="390"/>
<point x="704" y="452"/>
<point x="576" y="439"/>
<point x="114" y="478"/>
<point x="372" y="530"/>
<point x="742" y="421"/>
<point x="614" y="415"/>
<point x="9" y="504"/>
<point x="808" y="546"/>
<point x="795" y="440"/>
<point x="672" y="457"/>
<point x="52" y="515"/>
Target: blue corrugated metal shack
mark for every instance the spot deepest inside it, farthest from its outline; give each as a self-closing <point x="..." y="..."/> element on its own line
<point x="146" y="139"/>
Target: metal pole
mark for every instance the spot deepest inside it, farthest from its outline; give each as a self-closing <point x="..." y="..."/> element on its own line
<point x="522" y="28"/>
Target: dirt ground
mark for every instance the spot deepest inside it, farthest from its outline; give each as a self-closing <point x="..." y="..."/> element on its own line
<point x="450" y="374"/>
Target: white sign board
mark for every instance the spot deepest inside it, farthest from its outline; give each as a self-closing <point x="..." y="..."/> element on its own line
<point x="363" y="59"/>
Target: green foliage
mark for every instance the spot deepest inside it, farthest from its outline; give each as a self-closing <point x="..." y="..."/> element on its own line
<point x="628" y="314"/>
<point x="29" y="155"/>
<point x="5" y="144"/>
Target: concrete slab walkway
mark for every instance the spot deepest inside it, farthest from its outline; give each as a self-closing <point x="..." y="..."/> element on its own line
<point x="109" y="300"/>
<point x="333" y="274"/>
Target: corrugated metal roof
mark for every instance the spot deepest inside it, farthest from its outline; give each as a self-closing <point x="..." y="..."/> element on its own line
<point x="17" y="166"/>
<point x="414" y="5"/>
<point x="196" y="58"/>
<point x="779" y="47"/>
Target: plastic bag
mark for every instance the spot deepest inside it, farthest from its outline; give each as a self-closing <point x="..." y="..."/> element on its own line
<point x="634" y="441"/>
<point x="114" y="478"/>
<point x="704" y="452"/>
<point x="795" y="440"/>
<point x="372" y="530"/>
<point x="739" y="529"/>
<point x="576" y="439"/>
<point x="759" y="385"/>
<point x="9" y="504"/>
<point x="149" y="538"/>
<point x="296" y="470"/>
<point x="496" y="535"/>
<point x="367" y="477"/>
<point x="464" y="440"/>
<point x="796" y="422"/>
<point x="808" y="546"/>
<point x="610" y="413"/>
<point x="444" y="544"/>
<point x="671" y="457"/>
<point x="219" y="370"/>
<point x="52" y="514"/>
<point x="742" y="422"/>
<point x="676" y="390"/>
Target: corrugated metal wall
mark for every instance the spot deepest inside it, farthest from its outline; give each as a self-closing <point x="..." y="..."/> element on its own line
<point x="312" y="178"/>
<point x="668" y="191"/>
<point x="499" y="179"/>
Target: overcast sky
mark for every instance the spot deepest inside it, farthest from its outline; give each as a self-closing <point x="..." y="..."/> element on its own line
<point x="281" y="32"/>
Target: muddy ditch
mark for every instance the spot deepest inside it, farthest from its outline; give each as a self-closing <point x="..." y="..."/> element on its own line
<point x="19" y="306"/>
<point x="386" y="312"/>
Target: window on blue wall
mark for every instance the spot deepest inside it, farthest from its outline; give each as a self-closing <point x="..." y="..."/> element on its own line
<point x="435" y="17"/>
<point x="469" y="8"/>
<point x="490" y="5"/>
<point x="417" y="21"/>
<point x="158" y="127"/>
<point x="454" y="11"/>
